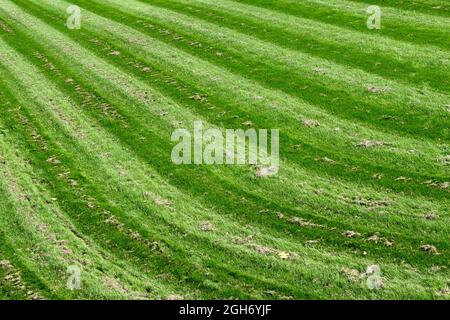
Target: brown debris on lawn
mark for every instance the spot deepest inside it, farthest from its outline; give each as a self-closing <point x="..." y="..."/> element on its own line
<point x="53" y="160"/>
<point x="369" y="144"/>
<point x="371" y="204"/>
<point x="444" y="291"/>
<point x="239" y="240"/>
<point x="206" y="226"/>
<point x="445" y="160"/>
<point x="441" y="185"/>
<point x="311" y="123"/>
<point x="351" y="274"/>
<point x="262" y="249"/>
<point x="444" y="185"/>
<point x="403" y="179"/>
<point x="162" y="202"/>
<point x="319" y="70"/>
<point x="265" y="250"/>
<point x="430" y="215"/>
<point x="377" y="90"/>
<point x="114" y="284"/>
<point x="304" y="223"/>
<point x="13" y="277"/>
<point x="388" y="243"/>
<point x="199" y="97"/>
<point x="429" y="249"/>
<point x="351" y="234"/>
<point x="159" y="201"/>
<point x="377" y="238"/>
<point x="287" y="255"/>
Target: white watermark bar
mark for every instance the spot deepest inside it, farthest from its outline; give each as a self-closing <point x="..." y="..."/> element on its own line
<point x="226" y="146"/>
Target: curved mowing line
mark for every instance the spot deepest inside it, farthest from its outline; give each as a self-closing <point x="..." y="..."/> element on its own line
<point x="352" y="106"/>
<point x="228" y="268"/>
<point x="134" y="144"/>
<point x="51" y="254"/>
<point x="371" y="41"/>
<point x="396" y="24"/>
<point x="433" y="8"/>
<point x="219" y="250"/>
<point x="427" y="192"/>
<point x="89" y="221"/>
<point x="291" y="36"/>
<point x="14" y="252"/>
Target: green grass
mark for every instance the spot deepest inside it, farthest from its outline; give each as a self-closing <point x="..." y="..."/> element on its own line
<point x="86" y="177"/>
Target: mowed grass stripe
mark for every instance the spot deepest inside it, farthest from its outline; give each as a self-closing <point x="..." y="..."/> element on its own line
<point x="105" y="53"/>
<point x="51" y="240"/>
<point x="397" y="24"/>
<point x="129" y="210"/>
<point x="320" y="39"/>
<point x="234" y="271"/>
<point x="252" y="264"/>
<point x="327" y="91"/>
<point x="429" y="7"/>
<point x="373" y="57"/>
<point x="149" y="139"/>
<point x="74" y="201"/>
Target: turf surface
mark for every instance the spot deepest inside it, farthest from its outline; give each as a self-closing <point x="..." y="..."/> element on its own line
<point x="86" y="177"/>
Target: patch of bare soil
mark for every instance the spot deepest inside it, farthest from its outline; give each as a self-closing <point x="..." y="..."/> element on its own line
<point x="206" y="226"/>
<point x="304" y="223"/>
<point x="311" y="123"/>
<point x="351" y="234"/>
<point x="159" y="201"/>
<point x="429" y="249"/>
<point x="376" y="238"/>
<point x="351" y="274"/>
<point x="445" y="160"/>
<point x="369" y="203"/>
<point x="369" y="144"/>
<point x="441" y="185"/>
<point x="320" y="70"/>
<point x="265" y="250"/>
<point x="13" y="277"/>
<point x="430" y="215"/>
<point x="114" y="284"/>
<point x="377" y="90"/>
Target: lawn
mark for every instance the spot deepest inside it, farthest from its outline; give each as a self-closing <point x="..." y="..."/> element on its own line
<point x="87" y="182"/>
